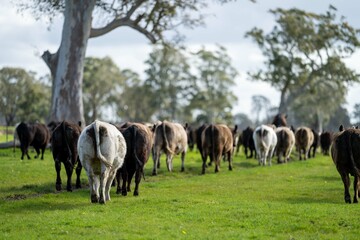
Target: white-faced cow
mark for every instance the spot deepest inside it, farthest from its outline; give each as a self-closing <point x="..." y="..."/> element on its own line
<point x="285" y="143"/>
<point x="36" y="135"/>
<point x="102" y="150"/>
<point x="304" y="138"/>
<point x="139" y="140"/>
<point x="345" y="152"/>
<point x="265" y="140"/>
<point x="64" y="140"/>
<point x="217" y="141"/>
<point x="170" y="138"/>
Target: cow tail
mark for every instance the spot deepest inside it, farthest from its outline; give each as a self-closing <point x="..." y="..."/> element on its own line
<point x="166" y="140"/>
<point x="97" y="143"/>
<point x="139" y="164"/>
<point x="353" y="164"/>
<point x="67" y="144"/>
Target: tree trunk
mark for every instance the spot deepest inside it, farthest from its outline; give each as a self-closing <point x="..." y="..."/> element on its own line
<point x="67" y="64"/>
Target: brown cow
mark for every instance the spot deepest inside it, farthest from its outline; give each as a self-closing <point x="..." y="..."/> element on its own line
<point x="280" y="120"/>
<point x="171" y="138"/>
<point x="285" y="143"/>
<point x="304" y="138"/>
<point x="217" y="140"/>
<point x="64" y="141"/>
<point x="345" y="152"/>
<point x="36" y="135"/>
<point x="325" y="142"/>
<point x="138" y="139"/>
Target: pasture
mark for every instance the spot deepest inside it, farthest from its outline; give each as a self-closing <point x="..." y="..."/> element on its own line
<point x="298" y="200"/>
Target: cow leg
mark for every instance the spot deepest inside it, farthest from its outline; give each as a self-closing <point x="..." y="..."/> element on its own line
<point x="130" y="176"/>
<point x="110" y="178"/>
<point x="156" y="159"/>
<point x="78" y="172"/>
<point x="183" y="161"/>
<point x="37" y="150"/>
<point x="94" y="187"/>
<point x="124" y="174"/>
<point x="69" y="170"/>
<point x="138" y="174"/>
<point x="58" y="177"/>
<point x="229" y="160"/>
<point x="356" y="188"/>
<point x="246" y="152"/>
<point x="42" y="152"/>
<point x="118" y="178"/>
<point x="169" y="158"/>
<point x="217" y="161"/>
<point x="204" y="158"/>
<point x="346" y="180"/>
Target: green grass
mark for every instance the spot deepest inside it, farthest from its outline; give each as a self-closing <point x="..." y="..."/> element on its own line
<point x="6" y="137"/>
<point x="298" y="200"/>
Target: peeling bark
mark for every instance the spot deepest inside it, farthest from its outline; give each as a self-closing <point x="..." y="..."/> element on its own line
<point x="67" y="64"/>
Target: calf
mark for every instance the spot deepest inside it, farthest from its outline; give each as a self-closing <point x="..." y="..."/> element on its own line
<point x="265" y="140"/>
<point x="325" y="142"/>
<point x="102" y="149"/>
<point x="171" y="138"/>
<point x="138" y="139"/>
<point x="285" y="143"/>
<point x="345" y="152"/>
<point x="64" y="140"/>
<point x="304" y="138"/>
<point x="217" y="140"/>
<point x="36" y="135"/>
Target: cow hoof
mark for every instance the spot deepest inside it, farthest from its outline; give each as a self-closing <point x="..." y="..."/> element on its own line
<point x="94" y="199"/>
<point x="58" y="187"/>
<point x="136" y="193"/>
<point x="124" y="193"/>
<point x="118" y="191"/>
<point x="182" y="169"/>
<point x="230" y="168"/>
<point x="78" y="186"/>
<point x="154" y="173"/>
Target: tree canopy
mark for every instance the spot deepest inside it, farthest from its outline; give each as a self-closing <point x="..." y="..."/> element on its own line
<point x="305" y="55"/>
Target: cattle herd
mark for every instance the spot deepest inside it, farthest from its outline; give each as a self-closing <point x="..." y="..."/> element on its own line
<point x="113" y="153"/>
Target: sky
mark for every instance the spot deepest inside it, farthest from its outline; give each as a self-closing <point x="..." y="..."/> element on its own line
<point x="23" y="40"/>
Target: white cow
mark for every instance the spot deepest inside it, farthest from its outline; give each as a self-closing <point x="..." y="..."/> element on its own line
<point x="102" y="150"/>
<point x="265" y="142"/>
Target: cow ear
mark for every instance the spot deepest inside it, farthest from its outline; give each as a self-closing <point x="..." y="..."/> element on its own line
<point x="341" y="128"/>
<point x="285" y="116"/>
<point x="186" y="125"/>
<point x="153" y="128"/>
<point x="235" y="128"/>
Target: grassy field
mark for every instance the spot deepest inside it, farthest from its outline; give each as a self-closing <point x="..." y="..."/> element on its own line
<point x="298" y="200"/>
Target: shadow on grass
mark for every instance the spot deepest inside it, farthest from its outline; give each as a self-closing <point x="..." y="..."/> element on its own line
<point x="33" y="191"/>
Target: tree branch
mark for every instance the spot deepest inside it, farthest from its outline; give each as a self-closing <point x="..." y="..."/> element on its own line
<point x="51" y="60"/>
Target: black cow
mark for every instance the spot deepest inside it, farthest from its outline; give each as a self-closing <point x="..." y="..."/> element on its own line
<point x="36" y="135"/>
<point x="139" y="140"/>
<point x="280" y="120"/>
<point x="64" y="141"/>
<point x="314" y="145"/>
<point x="325" y="142"/>
<point x="248" y="142"/>
<point x="345" y="152"/>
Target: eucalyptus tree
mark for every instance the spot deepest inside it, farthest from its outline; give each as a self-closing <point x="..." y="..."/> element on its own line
<point x="23" y="97"/>
<point x="305" y="55"/>
<point x="215" y="78"/>
<point x="260" y="104"/>
<point x="356" y="113"/>
<point x="170" y="81"/>
<point x="84" y="19"/>
<point x="102" y="81"/>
